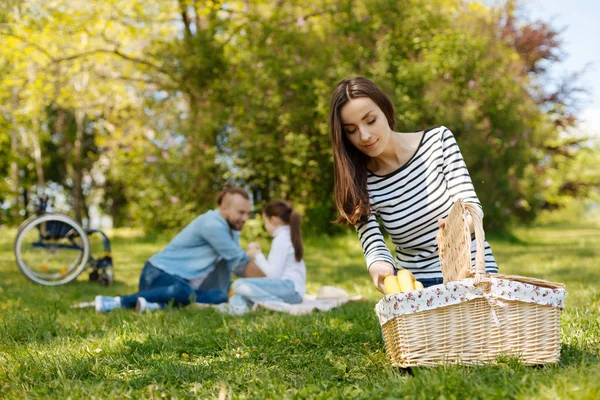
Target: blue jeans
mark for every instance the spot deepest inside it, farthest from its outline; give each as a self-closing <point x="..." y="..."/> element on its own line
<point x="431" y="281"/>
<point x="157" y="286"/>
<point x="248" y="291"/>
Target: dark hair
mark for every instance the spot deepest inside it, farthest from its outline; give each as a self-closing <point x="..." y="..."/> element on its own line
<point x="288" y="215"/>
<point x="350" y="164"/>
<point x="232" y="190"/>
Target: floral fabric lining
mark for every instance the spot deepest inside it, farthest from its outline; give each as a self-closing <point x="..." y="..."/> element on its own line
<point x="452" y="293"/>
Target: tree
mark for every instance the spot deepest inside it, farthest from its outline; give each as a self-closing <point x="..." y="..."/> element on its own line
<point x="149" y="107"/>
<point x="77" y="73"/>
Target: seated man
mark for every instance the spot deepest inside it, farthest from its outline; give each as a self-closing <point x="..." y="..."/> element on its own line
<point x="197" y="263"/>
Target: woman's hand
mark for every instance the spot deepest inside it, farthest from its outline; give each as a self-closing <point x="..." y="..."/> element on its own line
<point x="253" y="249"/>
<point x="378" y="271"/>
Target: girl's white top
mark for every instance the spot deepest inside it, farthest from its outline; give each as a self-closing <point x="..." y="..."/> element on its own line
<point x="282" y="263"/>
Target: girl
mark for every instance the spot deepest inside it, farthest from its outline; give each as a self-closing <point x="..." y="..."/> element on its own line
<point x="284" y="269"/>
<point x="410" y="180"/>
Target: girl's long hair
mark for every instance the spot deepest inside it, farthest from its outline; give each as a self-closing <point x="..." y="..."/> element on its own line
<point x="350" y="164"/>
<point x="289" y="216"/>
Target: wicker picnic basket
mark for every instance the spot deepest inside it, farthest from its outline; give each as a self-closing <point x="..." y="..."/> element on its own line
<point x="472" y="318"/>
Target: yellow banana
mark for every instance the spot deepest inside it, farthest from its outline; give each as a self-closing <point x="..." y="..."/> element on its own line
<point x="406" y="280"/>
<point x="391" y="284"/>
<point x="418" y="285"/>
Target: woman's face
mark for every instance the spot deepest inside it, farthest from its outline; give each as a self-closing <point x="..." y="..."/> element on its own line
<point x="271" y="223"/>
<point x="365" y="126"/>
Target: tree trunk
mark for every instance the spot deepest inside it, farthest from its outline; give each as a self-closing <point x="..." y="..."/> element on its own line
<point x="25" y="201"/>
<point x="14" y="167"/>
<point x="37" y="155"/>
<point x="78" y="166"/>
<point x="201" y="164"/>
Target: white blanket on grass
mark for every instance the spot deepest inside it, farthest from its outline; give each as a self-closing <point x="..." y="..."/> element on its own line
<point x="327" y="298"/>
<point x="309" y="304"/>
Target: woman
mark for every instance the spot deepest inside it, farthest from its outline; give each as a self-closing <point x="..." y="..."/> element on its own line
<point x="410" y="180"/>
<point x="284" y="269"/>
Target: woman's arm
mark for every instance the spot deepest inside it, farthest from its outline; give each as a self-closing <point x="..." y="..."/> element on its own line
<point x="273" y="266"/>
<point x="457" y="175"/>
<point x="269" y="270"/>
<point x="380" y="262"/>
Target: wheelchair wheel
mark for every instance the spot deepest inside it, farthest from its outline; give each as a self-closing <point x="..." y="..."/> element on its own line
<point x="51" y="249"/>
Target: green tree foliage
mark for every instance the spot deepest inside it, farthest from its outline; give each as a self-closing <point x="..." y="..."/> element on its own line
<point x="149" y="107"/>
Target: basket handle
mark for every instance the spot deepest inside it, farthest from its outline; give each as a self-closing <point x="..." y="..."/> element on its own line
<point x="479" y="237"/>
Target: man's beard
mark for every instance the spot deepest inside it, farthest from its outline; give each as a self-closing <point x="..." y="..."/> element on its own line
<point x="232" y="226"/>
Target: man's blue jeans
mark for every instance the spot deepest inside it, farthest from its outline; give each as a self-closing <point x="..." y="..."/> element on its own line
<point x="251" y="290"/>
<point x="156" y="286"/>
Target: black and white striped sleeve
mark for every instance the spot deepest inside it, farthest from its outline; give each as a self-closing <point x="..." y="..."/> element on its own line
<point x="455" y="170"/>
<point x="373" y="242"/>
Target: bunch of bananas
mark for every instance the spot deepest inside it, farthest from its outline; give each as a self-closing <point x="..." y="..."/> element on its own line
<point x="404" y="282"/>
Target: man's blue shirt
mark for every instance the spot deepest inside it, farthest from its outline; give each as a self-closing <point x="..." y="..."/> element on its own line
<point x="197" y="249"/>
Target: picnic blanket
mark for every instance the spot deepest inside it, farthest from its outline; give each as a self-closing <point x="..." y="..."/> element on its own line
<point x="326" y="298"/>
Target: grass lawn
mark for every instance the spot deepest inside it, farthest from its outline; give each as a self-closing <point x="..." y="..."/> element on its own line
<point x="48" y="350"/>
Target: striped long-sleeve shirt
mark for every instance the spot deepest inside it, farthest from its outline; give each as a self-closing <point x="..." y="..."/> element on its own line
<point x="409" y="202"/>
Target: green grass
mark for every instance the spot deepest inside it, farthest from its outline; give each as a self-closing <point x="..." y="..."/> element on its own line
<point x="48" y="350"/>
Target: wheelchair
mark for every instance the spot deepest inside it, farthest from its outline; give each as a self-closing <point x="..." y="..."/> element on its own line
<point x="53" y="249"/>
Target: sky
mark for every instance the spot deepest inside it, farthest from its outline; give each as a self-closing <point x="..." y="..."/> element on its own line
<point x="579" y="21"/>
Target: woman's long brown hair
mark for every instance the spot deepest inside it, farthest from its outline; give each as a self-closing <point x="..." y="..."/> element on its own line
<point x="350" y="164"/>
<point x="289" y="216"/>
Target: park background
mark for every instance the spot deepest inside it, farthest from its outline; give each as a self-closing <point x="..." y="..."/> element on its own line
<point x="133" y="115"/>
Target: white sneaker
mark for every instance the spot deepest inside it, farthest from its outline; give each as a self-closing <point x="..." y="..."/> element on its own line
<point x="142" y="305"/>
<point x="105" y="304"/>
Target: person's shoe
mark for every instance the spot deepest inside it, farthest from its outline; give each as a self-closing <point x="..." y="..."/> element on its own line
<point x="105" y="304"/>
<point x="142" y="305"/>
<point x="230" y="309"/>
